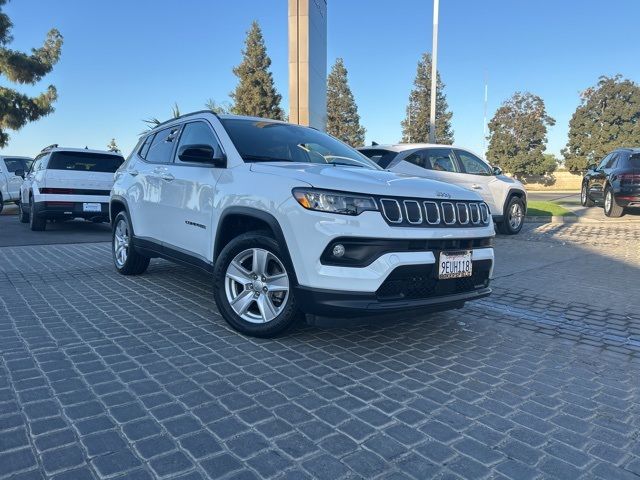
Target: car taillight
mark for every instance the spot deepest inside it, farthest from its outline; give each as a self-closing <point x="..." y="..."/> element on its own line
<point x="629" y="179"/>
<point x="58" y="191"/>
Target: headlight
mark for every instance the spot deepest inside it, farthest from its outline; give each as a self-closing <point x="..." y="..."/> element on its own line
<point x="334" y="202"/>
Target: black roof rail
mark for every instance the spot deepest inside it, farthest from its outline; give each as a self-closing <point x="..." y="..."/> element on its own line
<point x="49" y="147"/>
<point x="199" y="112"/>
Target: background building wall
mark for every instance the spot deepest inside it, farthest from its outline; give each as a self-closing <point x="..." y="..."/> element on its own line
<point x="308" y="62"/>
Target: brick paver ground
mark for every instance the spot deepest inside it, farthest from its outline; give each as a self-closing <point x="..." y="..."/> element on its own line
<point x="104" y="376"/>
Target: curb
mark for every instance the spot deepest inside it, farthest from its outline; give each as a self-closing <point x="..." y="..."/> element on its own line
<point x="575" y="219"/>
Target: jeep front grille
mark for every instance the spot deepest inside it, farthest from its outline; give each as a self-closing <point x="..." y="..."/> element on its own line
<point x="434" y="213"/>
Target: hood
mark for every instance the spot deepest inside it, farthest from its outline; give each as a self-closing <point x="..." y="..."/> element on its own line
<point x="361" y="180"/>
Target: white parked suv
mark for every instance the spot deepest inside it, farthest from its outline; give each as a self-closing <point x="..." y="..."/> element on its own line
<point x="12" y="171"/>
<point x="67" y="183"/>
<point x="289" y="220"/>
<point x="506" y="197"/>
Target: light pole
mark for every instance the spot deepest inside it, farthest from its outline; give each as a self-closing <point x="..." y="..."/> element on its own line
<point x="434" y="73"/>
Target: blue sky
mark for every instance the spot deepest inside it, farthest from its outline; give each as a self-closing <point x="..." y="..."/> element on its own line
<point x="125" y="60"/>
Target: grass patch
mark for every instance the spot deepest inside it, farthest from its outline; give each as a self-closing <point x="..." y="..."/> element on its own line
<point x="538" y="208"/>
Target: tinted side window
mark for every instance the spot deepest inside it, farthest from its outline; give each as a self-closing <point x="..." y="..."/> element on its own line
<point x="604" y="161"/>
<point x="419" y="159"/>
<point x="144" y="148"/>
<point x="634" y="161"/>
<point x="161" y="147"/>
<point x="198" y="133"/>
<point x="612" y="161"/>
<point x="472" y="164"/>
<point x="440" y="159"/>
<point x="14" y="164"/>
<point x="382" y="157"/>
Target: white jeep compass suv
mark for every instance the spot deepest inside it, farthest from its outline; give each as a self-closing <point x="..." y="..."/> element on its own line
<point x="506" y="196"/>
<point x="289" y="220"/>
<point x="67" y="183"/>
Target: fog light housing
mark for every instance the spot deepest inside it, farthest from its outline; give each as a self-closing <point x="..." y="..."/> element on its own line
<point x="338" y="250"/>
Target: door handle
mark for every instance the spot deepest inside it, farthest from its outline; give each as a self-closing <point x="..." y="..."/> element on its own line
<point x="167" y="176"/>
<point x="476" y="187"/>
<point x="133" y="173"/>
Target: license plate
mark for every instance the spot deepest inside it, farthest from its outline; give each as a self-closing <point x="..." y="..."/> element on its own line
<point x="91" y="207"/>
<point x="455" y="264"/>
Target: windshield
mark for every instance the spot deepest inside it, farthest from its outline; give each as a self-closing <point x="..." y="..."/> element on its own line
<point x="85" y="162"/>
<point x="266" y="141"/>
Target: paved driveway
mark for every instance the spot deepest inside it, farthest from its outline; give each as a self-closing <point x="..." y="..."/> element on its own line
<point x="104" y="376"/>
<point x="571" y="201"/>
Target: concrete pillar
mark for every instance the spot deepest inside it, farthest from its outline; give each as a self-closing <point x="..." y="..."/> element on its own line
<point x="308" y="62"/>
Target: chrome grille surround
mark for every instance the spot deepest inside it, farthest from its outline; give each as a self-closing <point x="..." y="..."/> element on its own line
<point x="384" y="202"/>
<point x="403" y="212"/>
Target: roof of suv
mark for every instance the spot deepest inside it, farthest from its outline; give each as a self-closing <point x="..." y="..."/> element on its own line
<point x="204" y="112"/>
<point x="83" y="150"/>
<point x="401" y="147"/>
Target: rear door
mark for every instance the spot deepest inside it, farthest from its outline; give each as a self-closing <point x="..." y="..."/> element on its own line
<point x="153" y="181"/>
<point x="599" y="175"/>
<point x="187" y="199"/>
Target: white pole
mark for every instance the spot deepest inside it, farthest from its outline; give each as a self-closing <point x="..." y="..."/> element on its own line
<point x="484" y="120"/>
<point x="434" y="73"/>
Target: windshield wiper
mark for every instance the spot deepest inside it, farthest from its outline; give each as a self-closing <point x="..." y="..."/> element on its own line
<point x="346" y="164"/>
<point x="264" y="158"/>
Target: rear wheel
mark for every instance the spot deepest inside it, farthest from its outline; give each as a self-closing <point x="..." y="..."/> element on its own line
<point x="125" y="258"/>
<point x="513" y="218"/>
<point x="611" y="208"/>
<point x="36" y="222"/>
<point x="585" y="200"/>
<point x="22" y="215"/>
<point x="253" y="286"/>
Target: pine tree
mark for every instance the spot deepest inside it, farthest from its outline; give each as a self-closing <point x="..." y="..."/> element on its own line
<point x="343" y="121"/>
<point x="518" y="136"/>
<point x="256" y="93"/>
<point x="113" y="146"/>
<point x="17" y="109"/>
<point x="415" y="127"/>
<point x="608" y="117"/>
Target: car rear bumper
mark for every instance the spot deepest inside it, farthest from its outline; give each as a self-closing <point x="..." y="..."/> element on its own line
<point x="628" y="200"/>
<point x="56" y="209"/>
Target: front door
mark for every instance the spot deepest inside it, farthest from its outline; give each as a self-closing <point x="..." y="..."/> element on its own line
<point x="476" y="175"/>
<point x="187" y="200"/>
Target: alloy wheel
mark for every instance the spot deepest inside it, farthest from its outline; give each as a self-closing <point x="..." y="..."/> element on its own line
<point x="256" y="285"/>
<point x="121" y="243"/>
<point x="607" y="201"/>
<point x="515" y="216"/>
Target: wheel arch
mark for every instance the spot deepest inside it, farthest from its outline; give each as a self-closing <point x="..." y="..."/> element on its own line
<point x="235" y="221"/>
<point x="514" y="192"/>
<point x="117" y="204"/>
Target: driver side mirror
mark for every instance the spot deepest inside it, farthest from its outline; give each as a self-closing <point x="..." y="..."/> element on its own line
<point x="19" y="173"/>
<point x="592" y="166"/>
<point x="201" y="153"/>
<point x="497" y="171"/>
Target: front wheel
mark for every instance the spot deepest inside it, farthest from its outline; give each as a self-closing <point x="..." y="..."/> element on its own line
<point x="513" y="218"/>
<point x="585" y="200"/>
<point x="125" y="258"/>
<point x="253" y="286"/>
<point x="611" y="208"/>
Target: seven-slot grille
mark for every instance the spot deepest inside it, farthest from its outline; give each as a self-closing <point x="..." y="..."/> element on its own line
<point x="434" y="213"/>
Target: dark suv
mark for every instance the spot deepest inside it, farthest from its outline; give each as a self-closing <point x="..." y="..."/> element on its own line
<point x="614" y="182"/>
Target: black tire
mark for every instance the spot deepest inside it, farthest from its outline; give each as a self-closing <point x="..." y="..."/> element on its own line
<point x="585" y="200"/>
<point x="287" y="308"/>
<point x="132" y="263"/>
<point x="22" y="215"/>
<point x="511" y="226"/>
<point x="611" y="208"/>
<point x="36" y="222"/>
<point x="1" y="203"/>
